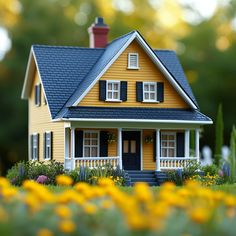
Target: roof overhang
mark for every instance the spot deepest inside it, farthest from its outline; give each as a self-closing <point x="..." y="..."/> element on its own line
<point x="138" y="120"/>
<point x="136" y="35"/>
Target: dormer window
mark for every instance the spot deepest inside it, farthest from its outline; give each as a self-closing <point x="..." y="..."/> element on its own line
<point x="37" y="91"/>
<point x="113" y="91"/>
<point x="133" y="62"/>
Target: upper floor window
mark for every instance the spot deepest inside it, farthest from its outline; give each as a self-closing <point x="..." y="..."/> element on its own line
<point x="133" y="62"/>
<point x="91" y="144"/>
<point x="150" y="91"/>
<point x="113" y="91"/>
<point x="37" y="92"/>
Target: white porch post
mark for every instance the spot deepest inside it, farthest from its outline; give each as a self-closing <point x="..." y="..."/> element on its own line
<point x="158" y="152"/>
<point x="72" y="148"/>
<point x="119" y="147"/>
<point x="186" y="146"/>
<point x="197" y="152"/>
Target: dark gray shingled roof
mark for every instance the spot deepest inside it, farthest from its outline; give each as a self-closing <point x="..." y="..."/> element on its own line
<point x="66" y="72"/>
<point x="135" y="113"/>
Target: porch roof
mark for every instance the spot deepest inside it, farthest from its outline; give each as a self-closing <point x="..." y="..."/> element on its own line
<point x="131" y="113"/>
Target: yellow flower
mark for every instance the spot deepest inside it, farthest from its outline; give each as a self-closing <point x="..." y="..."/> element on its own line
<point x="67" y="226"/>
<point x="142" y="192"/>
<point x="200" y="215"/>
<point x="105" y="182"/>
<point x="90" y="209"/>
<point x="4" y="182"/>
<point x="44" y="232"/>
<point x="64" y="180"/>
<point x="230" y="201"/>
<point x="63" y="211"/>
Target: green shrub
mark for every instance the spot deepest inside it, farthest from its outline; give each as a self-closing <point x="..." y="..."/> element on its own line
<point x="33" y="169"/>
<point x="18" y="173"/>
<point x="81" y="174"/>
<point x="210" y="170"/>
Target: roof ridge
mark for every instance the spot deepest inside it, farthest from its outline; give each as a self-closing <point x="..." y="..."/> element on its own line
<point x="60" y="47"/>
<point x="124" y="35"/>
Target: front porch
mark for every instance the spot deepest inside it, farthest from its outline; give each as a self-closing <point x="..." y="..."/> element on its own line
<point x="131" y="149"/>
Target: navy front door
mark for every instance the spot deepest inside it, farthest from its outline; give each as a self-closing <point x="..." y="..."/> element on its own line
<point x="131" y="150"/>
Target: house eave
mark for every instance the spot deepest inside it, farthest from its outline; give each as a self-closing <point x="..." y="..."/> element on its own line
<point x="138" y="120"/>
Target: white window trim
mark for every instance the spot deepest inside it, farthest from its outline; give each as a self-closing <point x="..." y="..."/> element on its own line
<point x="36" y="87"/>
<point x="133" y="67"/>
<point x="150" y="100"/>
<point x="175" y="141"/>
<point x="35" y="147"/>
<point x="48" y="158"/>
<point x="119" y="92"/>
<point x="98" y="145"/>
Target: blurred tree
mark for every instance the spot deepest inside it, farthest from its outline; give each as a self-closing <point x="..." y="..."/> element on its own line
<point x="219" y="135"/>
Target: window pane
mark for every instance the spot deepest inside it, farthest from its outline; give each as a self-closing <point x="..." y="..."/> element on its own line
<point x="94" y="142"/>
<point x="146" y="87"/>
<point x="164" y="144"/>
<point x="163" y="152"/>
<point x="115" y="95"/>
<point x="116" y="86"/>
<point x="152" y="96"/>
<point x="86" y="151"/>
<point x="94" y="152"/>
<point x="146" y="96"/>
<point x="87" y="135"/>
<point x="93" y="135"/>
<point x="171" y="152"/>
<point x="109" y="95"/>
<point x="164" y="137"/>
<point x="133" y="146"/>
<point x="152" y="87"/>
<point x="125" y="146"/>
<point x="87" y="141"/>
<point x="171" y="137"/>
<point x="171" y="144"/>
<point x="109" y="86"/>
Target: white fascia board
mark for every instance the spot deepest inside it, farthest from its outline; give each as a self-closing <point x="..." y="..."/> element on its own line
<point x="28" y="69"/>
<point x="105" y="69"/>
<point x="165" y="71"/>
<point x="137" y="120"/>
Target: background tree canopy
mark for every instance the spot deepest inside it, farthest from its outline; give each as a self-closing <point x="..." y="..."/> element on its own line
<point x="206" y="47"/>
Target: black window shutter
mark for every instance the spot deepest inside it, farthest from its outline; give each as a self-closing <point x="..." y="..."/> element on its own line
<point x="78" y="143"/>
<point x="102" y="90"/>
<point x="154" y="146"/>
<point x="44" y="145"/>
<point x="160" y="92"/>
<point x="51" y="145"/>
<point x="103" y="144"/>
<point x="123" y="91"/>
<point x="31" y="147"/>
<point x="39" y="94"/>
<point x="139" y="91"/>
<point x="180" y="144"/>
<point x="36" y="95"/>
<point x="37" y="137"/>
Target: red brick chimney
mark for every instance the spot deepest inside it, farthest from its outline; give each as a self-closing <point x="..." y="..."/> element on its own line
<point x="98" y="33"/>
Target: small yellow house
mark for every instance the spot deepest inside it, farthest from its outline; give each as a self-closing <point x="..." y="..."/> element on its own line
<point x="121" y="103"/>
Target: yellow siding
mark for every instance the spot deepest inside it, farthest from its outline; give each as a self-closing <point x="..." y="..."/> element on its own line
<point x="147" y="72"/>
<point x="40" y="122"/>
<point x="148" y="155"/>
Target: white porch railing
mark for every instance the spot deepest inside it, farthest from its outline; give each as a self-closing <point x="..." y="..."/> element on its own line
<point x="167" y="163"/>
<point x="92" y="162"/>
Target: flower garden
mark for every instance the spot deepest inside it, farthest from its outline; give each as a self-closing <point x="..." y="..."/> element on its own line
<point x="106" y="209"/>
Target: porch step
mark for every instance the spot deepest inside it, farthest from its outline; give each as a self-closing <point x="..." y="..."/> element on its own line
<point x="162" y="177"/>
<point x="134" y="176"/>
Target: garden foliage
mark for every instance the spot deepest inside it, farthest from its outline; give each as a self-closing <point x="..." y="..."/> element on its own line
<point x="106" y="210"/>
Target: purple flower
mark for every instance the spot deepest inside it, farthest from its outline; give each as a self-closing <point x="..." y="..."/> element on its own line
<point x="42" y="179"/>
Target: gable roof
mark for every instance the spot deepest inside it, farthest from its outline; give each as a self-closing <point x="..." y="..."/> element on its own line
<point x="68" y="73"/>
